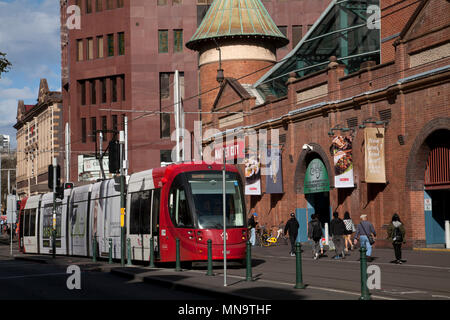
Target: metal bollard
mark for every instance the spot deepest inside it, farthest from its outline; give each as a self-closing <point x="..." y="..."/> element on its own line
<point x="249" y="276"/>
<point x="365" y="295"/>
<point x="298" y="270"/>
<point x="177" y="264"/>
<point x="152" y="253"/>
<point x="210" y="268"/>
<point x="129" y="252"/>
<point x="94" y="250"/>
<point x="110" y="251"/>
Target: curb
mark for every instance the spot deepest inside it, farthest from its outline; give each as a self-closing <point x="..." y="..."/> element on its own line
<point x="432" y="249"/>
<point x="183" y="287"/>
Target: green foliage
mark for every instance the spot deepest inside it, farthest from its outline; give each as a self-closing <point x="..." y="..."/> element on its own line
<point x="5" y="65"/>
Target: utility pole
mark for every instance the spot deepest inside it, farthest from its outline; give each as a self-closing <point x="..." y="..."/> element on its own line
<point x="67" y="138"/>
<point x="122" y="200"/>
<point x="54" y="208"/>
<point x="224" y="221"/>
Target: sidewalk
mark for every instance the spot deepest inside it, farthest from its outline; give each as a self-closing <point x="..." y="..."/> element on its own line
<point x="274" y="275"/>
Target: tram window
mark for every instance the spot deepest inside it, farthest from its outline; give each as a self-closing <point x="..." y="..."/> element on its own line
<point x="140" y="212"/>
<point x="156" y="202"/>
<point x="32" y="228"/>
<point x="179" y="208"/>
<point x="26" y="223"/>
<point x="134" y="213"/>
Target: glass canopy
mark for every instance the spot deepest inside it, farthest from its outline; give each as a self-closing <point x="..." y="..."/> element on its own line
<point x="345" y="30"/>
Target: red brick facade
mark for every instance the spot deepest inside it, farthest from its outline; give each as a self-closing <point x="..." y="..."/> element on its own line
<point x="411" y="91"/>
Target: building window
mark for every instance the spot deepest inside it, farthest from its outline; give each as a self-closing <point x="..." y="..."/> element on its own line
<point x="93" y="128"/>
<point x="109" y="4"/>
<point x="104" y="127"/>
<point x="114" y="123"/>
<point x="98" y="5"/>
<point x="80" y="50"/>
<point x="163" y="40"/>
<point x="121" y="39"/>
<point x="110" y="45"/>
<point x="296" y="35"/>
<point x="83" y="130"/>
<point x="90" y="49"/>
<point x="103" y="84"/>
<point x="177" y="1"/>
<point x="283" y="30"/>
<point x="88" y="6"/>
<point x="78" y="4"/>
<point x="93" y="92"/>
<point x="162" y="2"/>
<point x="165" y="155"/>
<point x="100" y="47"/>
<point x="114" y="89"/>
<point x="83" y="93"/>
<point x="122" y="80"/>
<point x="164" y="89"/>
<point x="119" y="3"/>
<point x="177" y="40"/>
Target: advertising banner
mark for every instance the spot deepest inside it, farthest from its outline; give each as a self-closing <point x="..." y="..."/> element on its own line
<point x="274" y="178"/>
<point x="316" y="178"/>
<point x="252" y="175"/>
<point x="341" y="150"/>
<point x="375" y="171"/>
<point x="233" y="151"/>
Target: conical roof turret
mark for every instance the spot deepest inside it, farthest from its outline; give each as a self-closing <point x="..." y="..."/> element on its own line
<point x="237" y="18"/>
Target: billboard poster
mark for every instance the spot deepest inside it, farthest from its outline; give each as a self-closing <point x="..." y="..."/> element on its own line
<point x="274" y="177"/>
<point x="252" y="175"/>
<point x="375" y="171"/>
<point x="233" y="151"/>
<point x="341" y="150"/>
<point x="316" y="178"/>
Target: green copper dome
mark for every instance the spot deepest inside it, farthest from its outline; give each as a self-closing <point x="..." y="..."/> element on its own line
<point x="236" y="18"/>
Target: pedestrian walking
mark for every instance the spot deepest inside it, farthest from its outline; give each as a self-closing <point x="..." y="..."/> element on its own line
<point x="349" y="229"/>
<point x="292" y="228"/>
<point x="252" y="226"/>
<point x="315" y="234"/>
<point x="337" y="231"/>
<point x="366" y="234"/>
<point x="396" y="233"/>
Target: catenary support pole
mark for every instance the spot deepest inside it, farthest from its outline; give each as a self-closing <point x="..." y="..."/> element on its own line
<point x="110" y="251"/>
<point x="298" y="270"/>
<point x="210" y="269"/>
<point x="363" y="265"/>
<point x="249" y="276"/>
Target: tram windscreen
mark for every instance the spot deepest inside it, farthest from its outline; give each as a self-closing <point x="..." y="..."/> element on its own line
<point x="206" y="190"/>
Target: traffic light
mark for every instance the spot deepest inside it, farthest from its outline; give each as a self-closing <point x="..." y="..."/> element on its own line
<point x="50" y="176"/>
<point x="68" y="185"/>
<point x="114" y="156"/>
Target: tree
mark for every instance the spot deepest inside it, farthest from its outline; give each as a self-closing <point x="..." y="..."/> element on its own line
<point x="5" y="65"/>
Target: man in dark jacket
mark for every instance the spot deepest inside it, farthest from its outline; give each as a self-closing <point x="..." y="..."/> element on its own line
<point x="292" y="227"/>
<point x="337" y="231"/>
<point x="315" y="234"/>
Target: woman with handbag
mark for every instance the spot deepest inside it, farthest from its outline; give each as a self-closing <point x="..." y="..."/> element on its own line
<point x="349" y="229"/>
<point x="396" y="233"/>
<point x="366" y="234"/>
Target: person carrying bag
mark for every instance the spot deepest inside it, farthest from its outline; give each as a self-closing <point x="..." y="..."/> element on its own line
<point x="366" y="234"/>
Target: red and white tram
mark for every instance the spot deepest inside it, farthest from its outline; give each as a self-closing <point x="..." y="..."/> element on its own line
<point x="180" y="201"/>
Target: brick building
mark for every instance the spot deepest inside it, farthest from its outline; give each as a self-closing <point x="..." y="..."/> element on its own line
<point x="121" y="62"/>
<point x="404" y="97"/>
<point x="39" y="139"/>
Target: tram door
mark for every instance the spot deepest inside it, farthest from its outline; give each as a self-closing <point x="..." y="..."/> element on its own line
<point x="144" y="223"/>
<point x="140" y="211"/>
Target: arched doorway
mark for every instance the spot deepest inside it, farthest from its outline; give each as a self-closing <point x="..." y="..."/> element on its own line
<point x="437" y="187"/>
<point x="312" y="182"/>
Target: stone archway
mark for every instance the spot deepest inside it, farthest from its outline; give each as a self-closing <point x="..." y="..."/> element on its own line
<point x="421" y="224"/>
<point x="302" y="162"/>
<point x="418" y="155"/>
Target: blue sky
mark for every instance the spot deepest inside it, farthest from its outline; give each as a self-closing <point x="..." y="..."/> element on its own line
<point x="29" y="35"/>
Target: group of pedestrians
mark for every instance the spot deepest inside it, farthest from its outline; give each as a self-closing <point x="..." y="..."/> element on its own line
<point x="341" y="231"/>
